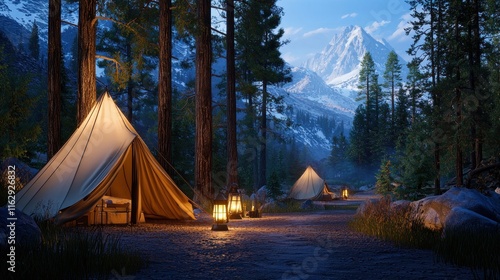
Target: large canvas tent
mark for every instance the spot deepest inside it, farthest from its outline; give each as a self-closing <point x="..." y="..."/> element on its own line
<point x="105" y="156"/>
<point x="310" y="186"/>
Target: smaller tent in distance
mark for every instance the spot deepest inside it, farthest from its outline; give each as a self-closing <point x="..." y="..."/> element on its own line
<point x="310" y="186"/>
<point x="105" y="157"/>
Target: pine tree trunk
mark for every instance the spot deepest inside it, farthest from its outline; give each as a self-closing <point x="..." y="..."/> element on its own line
<point x="263" y="137"/>
<point x="165" y="87"/>
<point x="472" y="86"/>
<point x="86" y="58"/>
<point x="203" y="107"/>
<point x="478" y="139"/>
<point x="130" y="86"/>
<point x="232" y="152"/>
<point x="393" y="121"/>
<point x="54" y="79"/>
<point x="435" y="76"/>
<point x="458" y="97"/>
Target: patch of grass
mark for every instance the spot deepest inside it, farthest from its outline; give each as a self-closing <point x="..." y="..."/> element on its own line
<point x="341" y="206"/>
<point x="74" y="253"/>
<point x="470" y="247"/>
<point x="394" y="224"/>
<point x="292" y="205"/>
<point x="286" y="206"/>
<point x="479" y="250"/>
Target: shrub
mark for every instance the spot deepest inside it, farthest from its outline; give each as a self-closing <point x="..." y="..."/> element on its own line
<point x="384" y="179"/>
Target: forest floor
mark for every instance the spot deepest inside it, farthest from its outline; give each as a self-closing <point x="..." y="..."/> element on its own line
<point x="303" y="245"/>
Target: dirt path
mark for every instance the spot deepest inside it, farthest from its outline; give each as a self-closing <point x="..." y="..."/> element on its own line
<point x="312" y="245"/>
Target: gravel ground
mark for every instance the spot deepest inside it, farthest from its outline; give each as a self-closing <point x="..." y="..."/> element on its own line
<point x="311" y="245"/>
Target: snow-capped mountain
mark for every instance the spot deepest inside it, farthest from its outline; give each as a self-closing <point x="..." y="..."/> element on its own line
<point x="340" y="61"/>
<point x="308" y="86"/>
<point x="321" y="89"/>
<point x="309" y="94"/>
<point x="18" y="16"/>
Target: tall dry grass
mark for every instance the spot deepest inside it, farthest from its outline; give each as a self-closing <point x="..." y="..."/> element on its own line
<point x="387" y="222"/>
<point x="73" y="253"/>
<point x="470" y="247"/>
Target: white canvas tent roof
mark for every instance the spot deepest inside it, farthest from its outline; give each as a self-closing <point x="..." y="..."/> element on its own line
<point x="104" y="156"/>
<point x="310" y="186"/>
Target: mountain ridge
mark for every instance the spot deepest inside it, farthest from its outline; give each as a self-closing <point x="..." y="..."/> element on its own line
<point x="324" y="87"/>
<point x="339" y="62"/>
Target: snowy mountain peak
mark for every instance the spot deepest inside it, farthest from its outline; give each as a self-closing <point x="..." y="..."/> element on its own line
<point x="352" y="32"/>
<point x="339" y="62"/>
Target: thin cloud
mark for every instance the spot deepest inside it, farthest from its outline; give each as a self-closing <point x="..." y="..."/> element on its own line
<point x="290" y="31"/>
<point x="375" y="26"/>
<point x="289" y="57"/>
<point x="400" y="33"/>
<point x="351" y="15"/>
<point x="318" y="31"/>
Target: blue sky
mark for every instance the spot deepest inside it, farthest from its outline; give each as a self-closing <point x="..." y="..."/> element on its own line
<point x="311" y="24"/>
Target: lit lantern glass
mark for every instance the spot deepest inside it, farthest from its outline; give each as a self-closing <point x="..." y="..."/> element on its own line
<point x="234" y="200"/>
<point x="220" y="213"/>
<point x="345" y="194"/>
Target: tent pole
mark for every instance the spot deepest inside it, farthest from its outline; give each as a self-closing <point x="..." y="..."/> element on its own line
<point x="135" y="189"/>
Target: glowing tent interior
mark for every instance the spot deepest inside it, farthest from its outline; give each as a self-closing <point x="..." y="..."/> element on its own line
<point x="310" y="186"/>
<point x="105" y="157"/>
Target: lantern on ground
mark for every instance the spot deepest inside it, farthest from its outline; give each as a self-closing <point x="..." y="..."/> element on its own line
<point x="255" y="212"/>
<point x="234" y="201"/>
<point x="345" y="193"/>
<point x="220" y="213"/>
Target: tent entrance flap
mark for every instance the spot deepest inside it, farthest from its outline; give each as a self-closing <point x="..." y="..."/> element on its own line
<point x="110" y="185"/>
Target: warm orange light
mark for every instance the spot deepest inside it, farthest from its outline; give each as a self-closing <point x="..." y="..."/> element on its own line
<point x="345" y="194"/>
<point x="234" y="200"/>
<point x="219" y="213"/>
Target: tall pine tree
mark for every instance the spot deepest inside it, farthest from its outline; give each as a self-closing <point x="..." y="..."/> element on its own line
<point x="392" y="81"/>
<point x="259" y="41"/>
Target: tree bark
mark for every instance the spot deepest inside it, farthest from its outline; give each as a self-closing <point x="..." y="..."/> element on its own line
<point x="130" y="84"/>
<point x="458" y="96"/>
<point x="165" y="87"/>
<point x="478" y="139"/>
<point x="203" y="107"/>
<point x="263" y="137"/>
<point x="232" y="152"/>
<point x="54" y="79"/>
<point x="86" y="58"/>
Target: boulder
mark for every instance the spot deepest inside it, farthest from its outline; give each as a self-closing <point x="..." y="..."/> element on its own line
<point x="400" y="204"/>
<point x="262" y="195"/>
<point x="269" y="207"/>
<point x="365" y="188"/>
<point x="438" y="212"/>
<point x="24" y="173"/>
<point x="365" y="205"/>
<point x="24" y="230"/>
<point x="460" y="218"/>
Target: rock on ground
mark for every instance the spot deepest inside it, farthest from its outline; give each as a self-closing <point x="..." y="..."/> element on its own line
<point x="22" y="231"/>
<point x="458" y="208"/>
